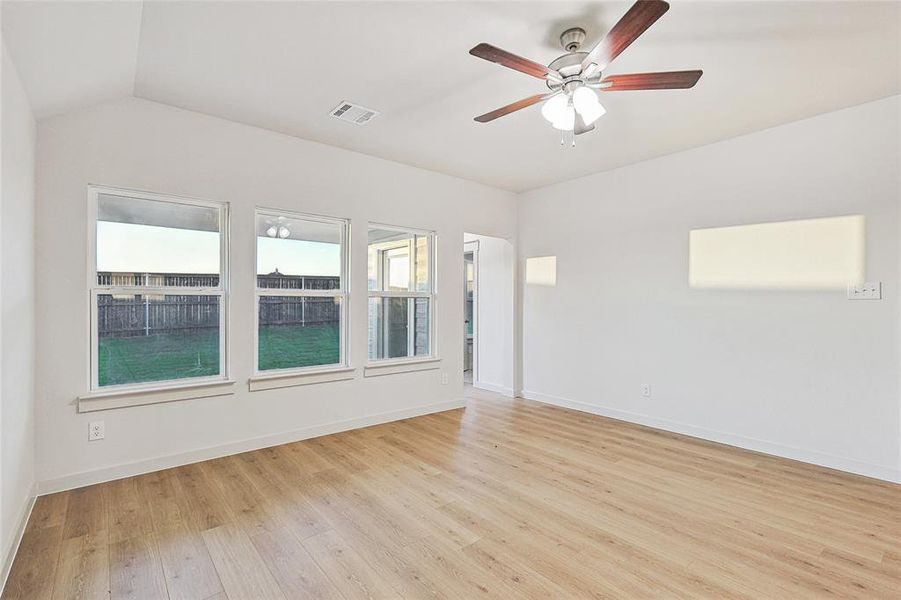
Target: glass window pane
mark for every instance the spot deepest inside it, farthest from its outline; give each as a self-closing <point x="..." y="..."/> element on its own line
<point x="421" y="327"/>
<point x="389" y="261"/>
<point x="397" y="269"/>
<point x="421" y="248"/>
<point x="144" y="338"/>
<point x="398" y="327"/>
<point x="298" y="254"/>
<point x="151" y="242"/>
<point x="299" y="331"/>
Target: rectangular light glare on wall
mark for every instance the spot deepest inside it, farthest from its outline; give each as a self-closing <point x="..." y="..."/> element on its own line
<point x="541" y="270"/>
<point x="810" y="254"/>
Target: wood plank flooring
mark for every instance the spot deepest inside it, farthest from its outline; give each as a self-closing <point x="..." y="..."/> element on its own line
<point x="505" y="499"/>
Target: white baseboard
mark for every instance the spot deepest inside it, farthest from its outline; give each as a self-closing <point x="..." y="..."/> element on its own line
<point x="491" y="387"/>
<point x="808" y="456"/>
<point x="13" y="547"/>
<point x="84" y="478"/>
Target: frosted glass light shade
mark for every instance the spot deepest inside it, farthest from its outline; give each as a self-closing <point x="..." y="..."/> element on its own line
<point x="585" y="100"/>
<point x="554" y="108"/>
<point x="567" y="119"/>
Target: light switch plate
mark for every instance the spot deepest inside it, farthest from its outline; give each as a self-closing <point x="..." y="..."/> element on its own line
<point x="871" y="290"/>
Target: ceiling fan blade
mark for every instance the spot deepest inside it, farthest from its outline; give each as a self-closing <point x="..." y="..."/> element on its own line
<point x="511" y="61"/>
<point x="670" y="80"/>
<point x="515" y="106"/>
<point x="642" y="15"/>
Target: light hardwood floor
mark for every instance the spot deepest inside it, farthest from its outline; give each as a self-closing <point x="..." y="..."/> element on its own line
<point x="505" y="499"/>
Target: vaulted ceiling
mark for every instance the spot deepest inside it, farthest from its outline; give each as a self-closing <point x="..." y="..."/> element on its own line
<point x="284" y="65"/>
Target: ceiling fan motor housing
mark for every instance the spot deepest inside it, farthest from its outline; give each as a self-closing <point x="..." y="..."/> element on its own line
<point x="569" y="65"/>
<point x="572" y="39"/>
<point x="570" y="68"/>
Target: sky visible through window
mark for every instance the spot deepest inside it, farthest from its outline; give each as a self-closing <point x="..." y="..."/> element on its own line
<point x="298" y="257"/>
<point x="130" y="248"/>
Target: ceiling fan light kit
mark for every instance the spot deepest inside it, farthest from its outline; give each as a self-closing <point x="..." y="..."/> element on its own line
<point x="574" y="79"/>
<point x="278" y="229"/>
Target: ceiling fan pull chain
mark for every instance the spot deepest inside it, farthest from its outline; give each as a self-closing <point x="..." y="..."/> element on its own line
<point x="562" y="134"/>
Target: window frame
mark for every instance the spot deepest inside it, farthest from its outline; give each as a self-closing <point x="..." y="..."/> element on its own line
<point x="431" y="294"/>
<point x="95" y="290"/>
<point x="342" y="292"/>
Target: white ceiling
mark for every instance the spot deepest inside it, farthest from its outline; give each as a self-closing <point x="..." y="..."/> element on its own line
<point x="72" y="54"/>
<point x="284" y="65"/>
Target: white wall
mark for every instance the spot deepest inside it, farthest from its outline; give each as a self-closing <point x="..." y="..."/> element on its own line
<point x="494" y="313"/>
<point x="803" y="374"/>
<point x="808" y="375"/>
<point x="143" y="145"/>
<point x="17" y="155"/>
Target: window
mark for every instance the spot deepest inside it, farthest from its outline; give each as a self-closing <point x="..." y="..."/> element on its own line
<point x="401" y="292"/>
<point x="301" y="296"/>
<point x="157" y="290"/>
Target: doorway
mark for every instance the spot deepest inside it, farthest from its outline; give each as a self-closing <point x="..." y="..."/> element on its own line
<point x="470" y="312"/>
<point x="488" y="313"/>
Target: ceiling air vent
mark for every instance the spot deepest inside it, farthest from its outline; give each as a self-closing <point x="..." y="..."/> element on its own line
<point x="353" y="113"/>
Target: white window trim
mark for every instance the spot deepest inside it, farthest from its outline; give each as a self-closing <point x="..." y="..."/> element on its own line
<point x="392" y="366"/>
<point x="396" y="364"/>
<point x="279" y="380"/>
<point x="116" y="396"/>
<point x="262" y="380"/>
<point x="105" y="400"/>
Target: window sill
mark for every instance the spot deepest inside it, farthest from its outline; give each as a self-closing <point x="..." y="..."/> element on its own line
<point x="280" y="380"/>
<point x="106" y="400"/>
<point x="390" y="367"/>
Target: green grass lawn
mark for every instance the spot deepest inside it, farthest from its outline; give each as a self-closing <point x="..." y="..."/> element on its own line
<point x="287" y="346"/>
<point x="178" y="355"/>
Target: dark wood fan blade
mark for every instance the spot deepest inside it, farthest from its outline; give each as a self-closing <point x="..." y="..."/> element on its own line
<point x="670" y="80"/>
<point x="511" y="61"/>
<point x="519" y="104"/>
<point x="636" y="21"/>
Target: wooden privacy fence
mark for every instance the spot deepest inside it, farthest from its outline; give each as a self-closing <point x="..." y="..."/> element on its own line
<point x="124" y="315"/>
<point x="145" y="315"/>
<point x="157" y="279"/>
<point x="296" y="282"/>
<point x="292" y="310"/>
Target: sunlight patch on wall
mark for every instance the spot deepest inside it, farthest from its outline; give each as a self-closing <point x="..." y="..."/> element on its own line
<point x="810" y="254"/>
<point x="541" y="270"/>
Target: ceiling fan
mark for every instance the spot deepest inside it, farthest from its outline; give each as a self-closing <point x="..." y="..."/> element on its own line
<point x="572" y="103"/>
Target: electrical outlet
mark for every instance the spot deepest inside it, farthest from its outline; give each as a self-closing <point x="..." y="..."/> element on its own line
<point x="646" y="390"/>
<point x="872" y="290"/>
<point x="96" y="430"/>
<point x="444" y="378"/>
